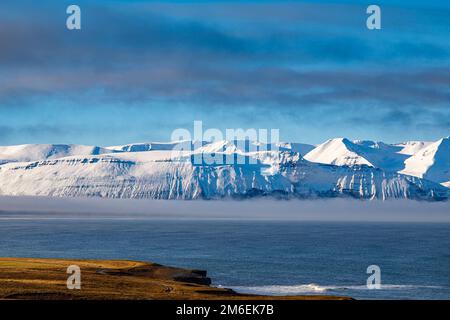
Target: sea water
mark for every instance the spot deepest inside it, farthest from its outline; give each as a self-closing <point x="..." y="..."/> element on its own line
<point x="262" y="257"/>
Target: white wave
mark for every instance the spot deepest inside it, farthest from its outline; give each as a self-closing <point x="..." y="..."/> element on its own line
<point x="318" y="289"/>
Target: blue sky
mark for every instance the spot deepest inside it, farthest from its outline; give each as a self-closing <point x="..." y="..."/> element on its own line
<point x="140" y="69"/>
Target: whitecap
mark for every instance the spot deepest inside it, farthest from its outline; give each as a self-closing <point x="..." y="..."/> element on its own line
<point x="313" y="288"/>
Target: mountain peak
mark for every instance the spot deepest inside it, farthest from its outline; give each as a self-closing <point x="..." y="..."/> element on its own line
<point x="338" y="151"/>
<point x="445" y="140"/>
<point x="342" y="151"/>
<point x="432" y="162"/>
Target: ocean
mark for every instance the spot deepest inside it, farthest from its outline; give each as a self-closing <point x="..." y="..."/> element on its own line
<point x="263" y="257"/>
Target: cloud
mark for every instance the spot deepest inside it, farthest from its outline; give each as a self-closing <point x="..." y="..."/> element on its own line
<point x="284" y="60"/>
<point x="129" y="55"/>
<point x="264" y="86"/>
<point x="35" y="131"/>
<point x="126" y="54"/>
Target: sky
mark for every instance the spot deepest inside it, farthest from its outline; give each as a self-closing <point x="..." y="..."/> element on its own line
<point x="137" y="70"/>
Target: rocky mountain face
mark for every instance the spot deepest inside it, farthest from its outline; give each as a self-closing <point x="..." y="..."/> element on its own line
<point x="155" y="171"/>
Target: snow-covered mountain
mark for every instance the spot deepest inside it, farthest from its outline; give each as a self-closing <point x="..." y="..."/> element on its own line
<point x="301" y="148"/>
<point x="412" y="147"/>
<point x="432" y="162"/>
<point x="154" y="172"/>
<point x="35" y="152"/>
<point x="148" y="146"/>
<point x="423" y="159"/>
<point x="216" y="146"/>
<point x="343" y="152"/>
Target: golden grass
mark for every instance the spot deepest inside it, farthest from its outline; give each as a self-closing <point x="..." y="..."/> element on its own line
<point x="29" y="278"/>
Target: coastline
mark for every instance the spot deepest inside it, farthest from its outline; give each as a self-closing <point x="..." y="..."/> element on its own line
<point x="46" y="279"/>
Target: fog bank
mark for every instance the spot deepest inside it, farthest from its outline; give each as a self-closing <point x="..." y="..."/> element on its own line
<point x="259" y="209"/>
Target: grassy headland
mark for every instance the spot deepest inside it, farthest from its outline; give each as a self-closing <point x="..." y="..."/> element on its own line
<point x="29" y="278"/>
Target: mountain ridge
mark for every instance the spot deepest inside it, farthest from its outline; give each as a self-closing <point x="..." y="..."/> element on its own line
<point x="158" y="171"/>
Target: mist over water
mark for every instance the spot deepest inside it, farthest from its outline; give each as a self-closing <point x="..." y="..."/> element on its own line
<point x="255" y="209"/>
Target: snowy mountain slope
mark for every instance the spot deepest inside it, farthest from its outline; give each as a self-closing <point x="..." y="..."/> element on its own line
<point x="338" y="152"/>
<point x="432" y="162"/>
<point x="301" y="148"/>
<point x="221" y="146"/>
<point x="157" y="175"/>
<point x="364" y="182"/>
<point x="243" y="146"/>
<point x="412" y="147"/>
<point x="35" y="152"/>
<point x="149" y="146"/>
<point x="343" y="152"/>
<point x="216" y="146"/>
<point x="132" y="175"/>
